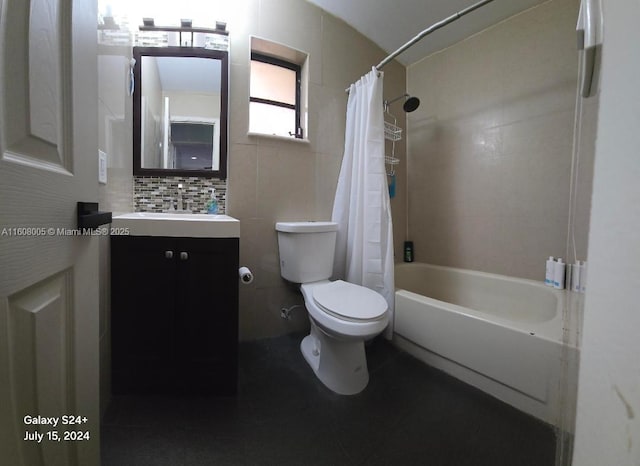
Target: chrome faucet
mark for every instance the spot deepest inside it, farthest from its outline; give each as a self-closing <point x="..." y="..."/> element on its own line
<point x="179" y="204"/>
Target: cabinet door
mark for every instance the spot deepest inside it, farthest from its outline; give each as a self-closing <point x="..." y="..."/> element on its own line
<point x="206" y="316"/>
<point x="142" y="313"/>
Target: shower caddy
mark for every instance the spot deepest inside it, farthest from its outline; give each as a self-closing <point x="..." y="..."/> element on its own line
<point x="393" y="133"/>
<point x="391" y="130"/>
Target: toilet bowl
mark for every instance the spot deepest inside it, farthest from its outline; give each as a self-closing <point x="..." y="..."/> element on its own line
<point x="342" y="315"/>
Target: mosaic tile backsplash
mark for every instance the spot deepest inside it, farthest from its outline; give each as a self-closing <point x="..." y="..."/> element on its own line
<point x="158" y="193"/>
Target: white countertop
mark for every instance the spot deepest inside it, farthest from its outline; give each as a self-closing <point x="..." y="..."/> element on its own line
<point x="177" y="225"/>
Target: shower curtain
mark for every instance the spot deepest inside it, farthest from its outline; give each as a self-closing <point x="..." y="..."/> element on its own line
<point x="364" y="246"/>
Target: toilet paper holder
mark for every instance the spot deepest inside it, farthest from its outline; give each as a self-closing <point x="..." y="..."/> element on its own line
<point x="245" y="275"/>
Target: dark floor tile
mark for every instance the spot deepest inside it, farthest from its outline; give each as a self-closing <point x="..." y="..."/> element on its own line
<point x="408" y="414"/>
<point x="135" y="446"/>
<point x="297" y="441"/>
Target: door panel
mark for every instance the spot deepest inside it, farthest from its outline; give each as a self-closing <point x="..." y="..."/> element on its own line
<point x="39" y="326"/>
<point x="44" y="73"/>
<point x="38" y="94"/>
<point x="48" y="279"/>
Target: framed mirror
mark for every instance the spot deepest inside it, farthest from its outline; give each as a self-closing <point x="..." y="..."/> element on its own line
<point x="180" y="112"/>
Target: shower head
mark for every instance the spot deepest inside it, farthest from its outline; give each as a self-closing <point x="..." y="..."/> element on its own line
<point x="410" y="104"/>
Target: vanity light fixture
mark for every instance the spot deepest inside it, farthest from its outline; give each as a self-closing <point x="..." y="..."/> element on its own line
<point x="186" y="25"/>
<point x="109" y="23"/>
<point x="220" y="28"/>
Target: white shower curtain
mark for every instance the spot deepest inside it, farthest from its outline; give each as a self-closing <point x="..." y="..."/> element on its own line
<point x="364" y="247"/>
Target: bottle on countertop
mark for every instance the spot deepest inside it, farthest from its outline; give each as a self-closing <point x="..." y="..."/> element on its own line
<point x="212" y="206"/>
<point x="558" y="275"/>
<point x="548" y="277"/>
<point x="576" y="276"/>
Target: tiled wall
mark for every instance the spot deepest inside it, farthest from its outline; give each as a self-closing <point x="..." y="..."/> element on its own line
<point x="269" y="180"/>
<point x="282" y="180"/>
<point x="490" y="148"/>
<point x="159" y="193"/>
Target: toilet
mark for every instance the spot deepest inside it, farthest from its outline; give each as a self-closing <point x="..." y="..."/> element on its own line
<point x="343" y="315"/>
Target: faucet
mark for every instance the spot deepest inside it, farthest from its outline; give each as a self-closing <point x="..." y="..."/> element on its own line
<point x="179" y="204"/>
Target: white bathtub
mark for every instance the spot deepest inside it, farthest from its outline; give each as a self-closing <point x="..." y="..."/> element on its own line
<point x="500" y="334"/>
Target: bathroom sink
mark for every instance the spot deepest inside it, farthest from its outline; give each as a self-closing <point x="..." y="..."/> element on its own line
<point x="176" y="224"/>
<point x="177" y="215"/>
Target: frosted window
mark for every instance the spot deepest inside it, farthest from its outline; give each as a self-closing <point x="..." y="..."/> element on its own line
<point x="273" y="82"/>
<point x="274" y="91"/>
<point x="270" y="119"/>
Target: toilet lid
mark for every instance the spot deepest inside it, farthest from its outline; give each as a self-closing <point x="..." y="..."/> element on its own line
<point x="350" y="301"/>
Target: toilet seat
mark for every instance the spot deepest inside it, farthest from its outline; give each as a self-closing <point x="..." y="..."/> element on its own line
<point x="350" y="302"/>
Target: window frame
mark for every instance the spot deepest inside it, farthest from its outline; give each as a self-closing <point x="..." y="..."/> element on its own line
<point x="260" y="57"/>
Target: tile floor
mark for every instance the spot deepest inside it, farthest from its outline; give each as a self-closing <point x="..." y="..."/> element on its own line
<point x="410" y="414"/>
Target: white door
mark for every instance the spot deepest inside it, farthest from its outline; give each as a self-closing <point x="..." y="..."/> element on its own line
<point x="48" y="279"/>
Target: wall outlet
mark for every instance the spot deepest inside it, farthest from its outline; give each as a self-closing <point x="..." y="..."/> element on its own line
<point x="102" y="167"/>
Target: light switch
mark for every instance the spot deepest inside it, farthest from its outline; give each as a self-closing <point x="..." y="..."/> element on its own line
<point x="102" y="167"/>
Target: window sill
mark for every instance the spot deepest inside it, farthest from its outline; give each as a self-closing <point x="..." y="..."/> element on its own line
<point x="278" y="138"/>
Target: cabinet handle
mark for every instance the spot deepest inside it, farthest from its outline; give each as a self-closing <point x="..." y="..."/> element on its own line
<point x="168" y="254"/>
<point x="184" y="256"/>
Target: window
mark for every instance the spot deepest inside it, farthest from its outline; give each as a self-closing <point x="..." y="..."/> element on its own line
<point x="274" y="97"/>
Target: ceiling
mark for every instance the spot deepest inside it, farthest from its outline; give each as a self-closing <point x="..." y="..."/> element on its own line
<point x="189" y="74"/>
<point x="390" y="24"/>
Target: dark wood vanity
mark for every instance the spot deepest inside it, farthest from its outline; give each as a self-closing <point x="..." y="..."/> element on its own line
<point x="174" y="315"/>
<point x="174" y="280"/>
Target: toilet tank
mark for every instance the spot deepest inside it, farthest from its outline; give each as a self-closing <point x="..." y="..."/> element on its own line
<point x="306" y="250"/>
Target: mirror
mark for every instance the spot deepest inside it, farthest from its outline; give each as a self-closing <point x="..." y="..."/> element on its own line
<point x="180" y="112"/>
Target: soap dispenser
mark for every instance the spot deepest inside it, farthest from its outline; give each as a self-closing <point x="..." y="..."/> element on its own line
<point x="212" y="207"/>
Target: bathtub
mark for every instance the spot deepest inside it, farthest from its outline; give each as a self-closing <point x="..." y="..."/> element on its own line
<point x="500" y="334"/>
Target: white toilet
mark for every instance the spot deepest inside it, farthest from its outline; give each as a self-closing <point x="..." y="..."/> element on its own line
<point x="342" y="315"/>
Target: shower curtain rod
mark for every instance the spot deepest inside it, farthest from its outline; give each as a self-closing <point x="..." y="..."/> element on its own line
<point x="429" y="30"/>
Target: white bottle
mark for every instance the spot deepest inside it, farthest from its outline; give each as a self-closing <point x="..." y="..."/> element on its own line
<point x="575" y="276"/>
<point x="558" y="275"/>
<point x="548" y="277"/>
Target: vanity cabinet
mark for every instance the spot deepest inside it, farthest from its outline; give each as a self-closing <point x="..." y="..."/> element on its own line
<point x="174" y="315"/>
